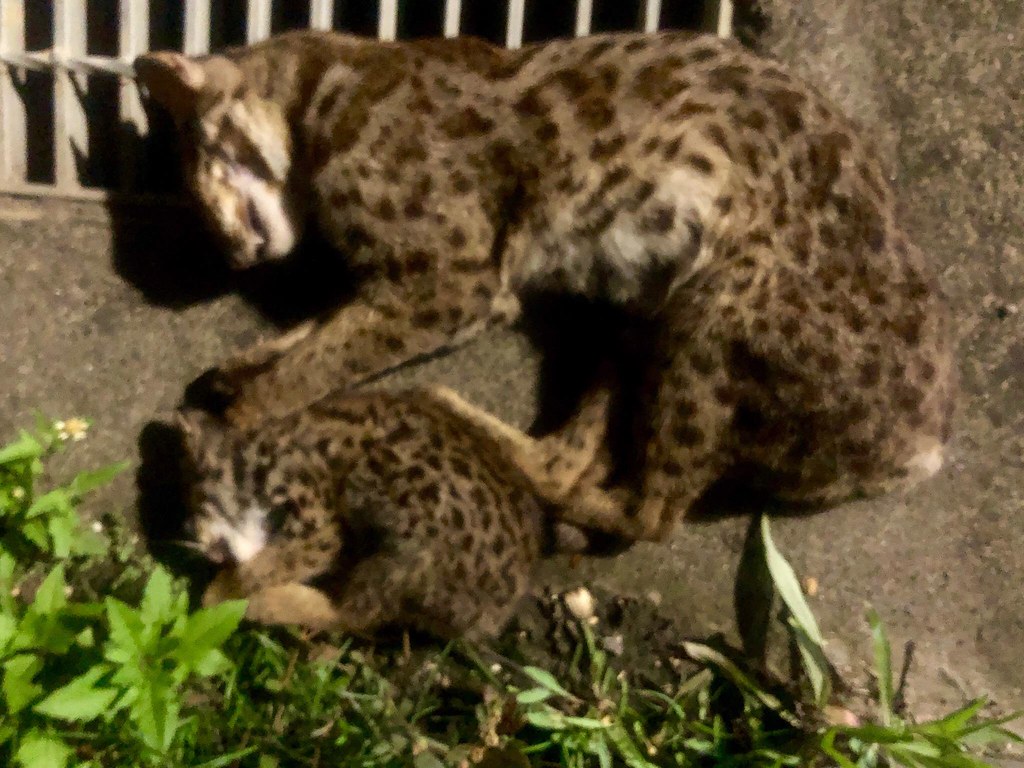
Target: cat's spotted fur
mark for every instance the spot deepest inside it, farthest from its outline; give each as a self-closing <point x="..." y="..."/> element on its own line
<point x="801" y="337"/>
<point x="372" y="509"/>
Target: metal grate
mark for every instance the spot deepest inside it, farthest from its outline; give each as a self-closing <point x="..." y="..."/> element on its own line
<point x="71" y="120"/>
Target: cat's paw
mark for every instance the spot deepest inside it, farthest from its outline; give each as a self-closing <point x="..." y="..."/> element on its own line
<point x="226" y="585"/>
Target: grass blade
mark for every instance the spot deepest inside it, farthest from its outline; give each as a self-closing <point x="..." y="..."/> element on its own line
<point x="883" y="666"/>
<point x="788" y="587"/>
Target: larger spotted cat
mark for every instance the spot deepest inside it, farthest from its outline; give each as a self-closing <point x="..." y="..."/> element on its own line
<point x="801" y="337"/>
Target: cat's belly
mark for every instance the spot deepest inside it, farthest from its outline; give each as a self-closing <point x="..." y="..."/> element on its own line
<point x="623" y="250"/>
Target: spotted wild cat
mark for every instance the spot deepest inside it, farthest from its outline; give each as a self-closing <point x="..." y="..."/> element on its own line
<point x="800" y="335"/>
<point x="371" y="509"/>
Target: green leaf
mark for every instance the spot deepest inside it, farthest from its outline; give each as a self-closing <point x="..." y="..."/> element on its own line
<point x="157" y="598"/>
<point x="34" y="531"/>
<point x="89" y="481"/>
<point x="586" y="723"/>
<point x="90" y="544"/>
<point x="125" y="631"/>
<point x="8" y="626"/>
<point x="50" y="597"/>
<point x="549" y="719"/>
<point x="18" y="686"/>
<point x="533" y="696"/>
<point x="955" y="722"/>
<point x="63" y="530"/>
<point x="627" y="748"/>
<point x="42" y="750"/>
<point x="55" y="502"/>
<point x="811" y="649"/>
<point x="25" y="447"/>
<point x="213" y="663"/>
<point x="708" y="655"/>
<point x="156" y="714"/>
<point x="883" y="666"/>
<point x="80" y="699"/>
<point x="207" y="629"/>
<point x="546" y="680"/>
<point x="86" y="481"/>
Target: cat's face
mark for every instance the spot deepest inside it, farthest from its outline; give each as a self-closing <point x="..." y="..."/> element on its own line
<point x="231" y="515"/>
<point x="237" y="147"/>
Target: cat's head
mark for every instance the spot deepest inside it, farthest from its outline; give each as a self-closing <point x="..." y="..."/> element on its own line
<point x="238" y="153"/>
<point x="231" y="513"/>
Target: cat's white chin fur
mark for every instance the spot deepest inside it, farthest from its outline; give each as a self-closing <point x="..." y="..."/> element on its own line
<point x="245" y="538"/>
<point x="274" y="234"/>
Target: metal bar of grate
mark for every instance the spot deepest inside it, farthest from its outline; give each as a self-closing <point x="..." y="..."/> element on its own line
<point x="514" y="29"/>
<point x="452" y="17"/>
<point x="387" y="22"/>
<point x="725" y="16"/>
<point x="70" y="65"/>
<point x="257" y="21"/>
<point x="134" y="39"/>
<point x="70" y="128"/>
<point x="652" y="15"/>
<point x="584" y="17"/>
<point x="13" y="125"/>
<point x="321" y="14"/>
<point x="197" y="27"/>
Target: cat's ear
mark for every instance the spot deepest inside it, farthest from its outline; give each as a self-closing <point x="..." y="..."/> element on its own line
<point x="199" y="431"/>
<point x="175" y="81"/>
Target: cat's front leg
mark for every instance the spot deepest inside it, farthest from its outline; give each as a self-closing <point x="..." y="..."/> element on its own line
<point x="365" y="338"/>
<point x="262" y="355"/>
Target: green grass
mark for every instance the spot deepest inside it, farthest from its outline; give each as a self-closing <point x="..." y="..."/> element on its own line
<point x="103" y="663"/>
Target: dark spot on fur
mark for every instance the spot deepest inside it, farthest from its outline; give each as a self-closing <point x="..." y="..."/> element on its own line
<point x="787" y="105"/>
<point x="702" y="363"/>
<point x="752" y="157"/>
<point x="604" y="149"/>
<point x="547" y="131"/>
<point x="661" y="220"/>
<point x="466" y="122"/>
<point x="419" y="262"/>
<point x="530" y="104"/>
<point x="700" y="162"/>
<point x="690" y="109"/>
<point x="595" y="112"/>
<point x="717" y="136"/>
<point x="386" y="210"/>
<point x="730" y="77"/>
<point x="870" y="373"/>
<point x="670" y="150"/>
<point x="907" y="397"/>
<point x="656" y="83"/>
<point x="461" y="183"/>
<point x="426" y="318"/>
<point x="572" y="81"/>
<point x="457" y="238"/>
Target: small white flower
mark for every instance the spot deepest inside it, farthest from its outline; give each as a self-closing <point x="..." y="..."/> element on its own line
<point x="97" y="526"/>
<point x="75" y="428"/>
<point x="580" y="603"/>
<point x="18" y="493"/>
<point x="68" y="590"/>
<point x="59" y="426"/>
<point x="495" y="668"/>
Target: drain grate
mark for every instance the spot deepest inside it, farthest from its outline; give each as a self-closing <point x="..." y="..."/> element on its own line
<point x="71" y="120"/>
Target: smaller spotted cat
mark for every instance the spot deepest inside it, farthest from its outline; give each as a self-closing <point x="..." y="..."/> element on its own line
<point x="374" y="509"/>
